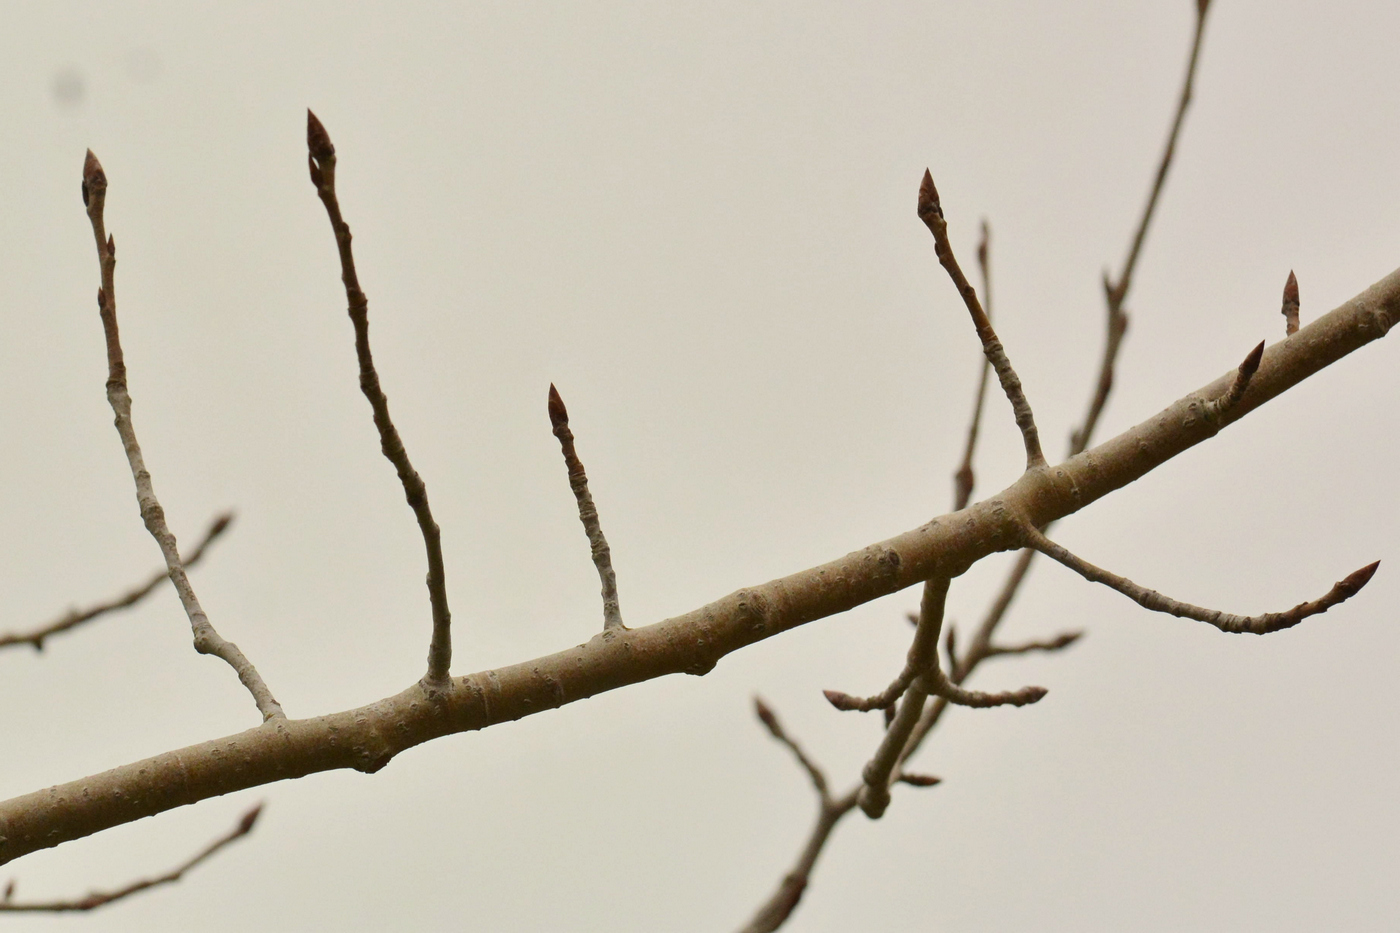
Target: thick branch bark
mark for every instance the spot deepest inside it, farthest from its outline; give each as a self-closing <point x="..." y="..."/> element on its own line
<point x="367" y="738"/>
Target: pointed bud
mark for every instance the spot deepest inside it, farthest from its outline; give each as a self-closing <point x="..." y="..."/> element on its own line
<point x="842" y="701"/>
<point x="249" y="818"/>
<point x="765" y="716"/>
<point x="1290" y="303"/>
<point x="220" y="524"/>
<point x="94" y="179"/>
<point x="920" y="780"/>
<point x="1353" y="584"/>
<point x="318" y="141"/>
<point x="928" y="197"/>
<point x="1201" y="7"/>
<point x="982" y="245"/>
<point x="101" y="299"/>
<point x="111" y="246"/>
<point x="558" y="414"/>
<point x="1251" y="363"/>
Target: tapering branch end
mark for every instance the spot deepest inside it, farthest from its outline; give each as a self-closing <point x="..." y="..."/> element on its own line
<point x="245" y="825"/>
<point x="842" y="701"/>
<point x="928" y="198"/>
<point x="558" y="414"/>
<point x="767" y="717"/>
<point x="94" y="179"/>
<point x="1353" y="583"/>
<point x="318" y="141"/>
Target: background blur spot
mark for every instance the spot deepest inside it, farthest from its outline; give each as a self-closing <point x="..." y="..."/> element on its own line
<point x="68" y="87"/>
<point x="143" y="65"/>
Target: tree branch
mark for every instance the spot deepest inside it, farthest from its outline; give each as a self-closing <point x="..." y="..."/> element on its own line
<point x="367" y="738"/>
<point x="76" y="617"/>
<point x="206" y="639"/>
<point x="321" y="160"/>
<point x="102" y="898"/>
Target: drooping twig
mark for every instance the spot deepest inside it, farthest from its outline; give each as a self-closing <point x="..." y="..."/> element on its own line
<point x="76" y="617"/>
<point x="1291" y="306"/>
<point x="964" y="479"/>
<point x="101" y="898"/>
<point x="931" y="213"/>
<point x="206" y="639"/>
<point x="321" y="160"/>
<point x="587" y="511"/>
<point x="1150" y="599"/>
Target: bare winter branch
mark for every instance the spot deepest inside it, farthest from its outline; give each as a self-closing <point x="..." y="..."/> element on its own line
<point x="1226" y="622"/>
<point x="206" y="639"/>
<point x="76" y="617"/>
<point x="931" y="213"/>
<point x="97" y="899"/>
<point x="587" y="511"/>
<point x="321" y="160"/>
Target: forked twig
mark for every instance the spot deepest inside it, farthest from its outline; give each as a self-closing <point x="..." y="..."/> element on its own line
<point x="206" y="639"/>
<point x="321" y="161"/>
<point x="1262" y="624"/>
<point x="587" y="511"/>
<point x="102" y="898"/>
<point x="931" y="213"/>
<point x="76" y="617"/>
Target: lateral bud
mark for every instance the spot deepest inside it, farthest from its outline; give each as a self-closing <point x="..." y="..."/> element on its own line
<point x="1290" y="304"/>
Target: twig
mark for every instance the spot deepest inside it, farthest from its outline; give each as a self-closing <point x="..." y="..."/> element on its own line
<point x="1058" y="643"/>
<point x="776" y="910"/>
<point x="102" y="898"/>
<point x="770" y="721"/>
<point x="76" y="617"/>
<point x="964" y="478"/>
<point x="1226" y="622"/>
<point x="936" y="683"/>
<point x="321" y="160"/>
<point x="931" y="213"/>
<point x="206" y="639"/>
<point x="1290" y="304"/>
<point x="587" y="511"/>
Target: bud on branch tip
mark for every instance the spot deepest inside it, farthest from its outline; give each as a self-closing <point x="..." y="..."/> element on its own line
<point x="558" y="414"/>
<point x="318" y="141"/>
<point x="928" y="196"/>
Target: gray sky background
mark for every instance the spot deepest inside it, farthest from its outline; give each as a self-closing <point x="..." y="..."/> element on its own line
<point x="699" y="222"/>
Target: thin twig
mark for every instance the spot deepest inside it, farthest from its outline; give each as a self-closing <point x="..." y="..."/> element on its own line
<point x="587" y="511"/>
<point x="776" y="910"/>
<point x="1291" y="306"/>
<point x="321" y="160"/>
<point x="770" y="721"/>
<point x="936" y="683"/>
<point x="931" y="213"/>
<point x="1150" y="599"/>
<point x="206" y="639"/>
<point x="76" y="617"/>
<point x="1058" y="643"/>
<point x="964" y="478"/>
<point x="102" y="898"/>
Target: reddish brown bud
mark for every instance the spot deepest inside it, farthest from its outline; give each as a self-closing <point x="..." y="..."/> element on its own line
<point x="1290" y="303"/>
<point x="928" y="197"/>
<point x="920" y="780"/>
<point x="842" y="701"/>
<point x="111" y="246"/>
<point x="558" y="414"/>
<point x="101" y="298"/>
<point x="1353" y="583"/>
<point x="94" y="179"/>
<point x="246" y="824"/>
<point x="765" y="716"/>
<point x="1251" y="363"/>
<point x="318" y="141"/>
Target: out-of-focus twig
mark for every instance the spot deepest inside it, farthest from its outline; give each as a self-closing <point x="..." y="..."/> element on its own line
<point x="964" y="479"/>
<point x="206" y="639"/>
<point x="587" y="511"/>
<point x="321" y="161"/>
<point x="76" y="617"/>
<point x="101" y="898"/>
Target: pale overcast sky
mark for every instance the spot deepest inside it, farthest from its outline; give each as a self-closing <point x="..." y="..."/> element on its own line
<point x="698" y="221"/>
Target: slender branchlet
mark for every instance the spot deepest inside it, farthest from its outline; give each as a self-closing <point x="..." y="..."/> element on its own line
<point x="587" y="511"/>
<point x="1150" y="599"/>
<point x="1290" y="304"/>
<point x="321" y="161"/>
<point x="76" y="617"/>
<point x="206" y="639"/>
<point x="1214" y="408"/>
<point x="931" y="213"/>
<point x="1058" y="643"/>
<point x="774" y="912"/>
<point x="770" y="721"/>
<point x="936" y="683"/>
<point x="95" y="899"/>
<point x="964" y="479"/>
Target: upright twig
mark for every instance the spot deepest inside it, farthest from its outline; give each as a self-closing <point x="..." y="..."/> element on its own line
<point x="206" y="639"/>
<point x="76" y="617"/>
<point x="101" y="898"/>
<point x="964" y="479"/>
<point x="587" y="511"/>
<point x="931" y="213"/>
<point x="1291" y="306"/>
<point x="321" y="161"/>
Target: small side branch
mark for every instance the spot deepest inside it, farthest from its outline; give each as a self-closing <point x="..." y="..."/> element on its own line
<point x="964" y="479"/>
<point x="1058" y="643"/>
<point x="931" y="213"/>
<point x="102" y="898"/>
<point x="131" y="597"/>
<point x="321" y="159"/>
<point x="1290" y="304"/>
<point x="776" y="910"/>
<point x="1226" y="622"/>
<point x="587" y="511"/>
<point x="206" y="639"/>
<point x="770" y="721"/>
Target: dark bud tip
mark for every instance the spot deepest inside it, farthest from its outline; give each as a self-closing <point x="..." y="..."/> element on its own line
<point x="913" y="617"/>
<point x="101" y="298"/>
<point x="1290" y="290"/>
<point x="1251" y="363"/>
<point x="558" y="414"/>
<point x="246" y="824"/>
<point x="1202" y="6"/>
<point x="1353" y="584"/>
<point x="111" y="246"/>
<point x="982" y="244"/>
<point x="221" y="524"/>
<point x="765" y="715"/>
<point x="1035" y="694"/>
<point x="94" y="179"/>
<point x="318" y="141"/>
<point x="928" y="196"/>
<point x="841" y="701"/>
<point x="920" y="780"/>
<point x="1067" y="639"/>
